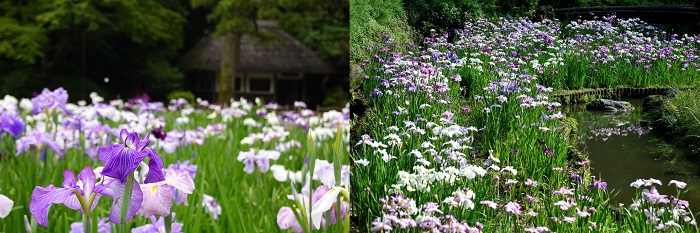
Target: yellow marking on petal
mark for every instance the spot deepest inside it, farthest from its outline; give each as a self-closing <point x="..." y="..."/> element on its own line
<point x="153" y="189"/>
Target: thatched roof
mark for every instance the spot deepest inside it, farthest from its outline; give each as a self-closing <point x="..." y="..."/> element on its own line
<point x="284" y="54"/>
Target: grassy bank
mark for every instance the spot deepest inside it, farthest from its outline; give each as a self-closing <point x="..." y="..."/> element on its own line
<point x="369" y="20"/>
<point x="678" y="116"/>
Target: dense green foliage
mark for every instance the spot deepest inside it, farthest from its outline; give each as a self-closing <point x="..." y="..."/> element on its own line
<point x="323" y="26"/>
<point x="370" y="19"/>
<point x="124" y="48"/>
<point x="445" y="15"/>
<point x="77" y="44"/>
<point x="187" y="95"/>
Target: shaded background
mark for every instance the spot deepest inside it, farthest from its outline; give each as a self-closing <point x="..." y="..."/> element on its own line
<point x="135" y="44"/>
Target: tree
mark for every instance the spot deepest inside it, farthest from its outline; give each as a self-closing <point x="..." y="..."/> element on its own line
<point x="323" y="25"/>
<point x="62" y="39"/>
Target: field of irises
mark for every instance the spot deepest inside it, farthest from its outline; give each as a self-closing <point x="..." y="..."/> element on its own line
<point x="461" y="135"/>
<point x="146" y="166"/>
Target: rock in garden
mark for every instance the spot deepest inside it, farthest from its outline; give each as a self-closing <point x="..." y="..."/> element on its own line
<point x="610" y="105"/>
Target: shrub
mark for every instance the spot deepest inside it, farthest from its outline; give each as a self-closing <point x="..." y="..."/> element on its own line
<point x="181" y="94"/>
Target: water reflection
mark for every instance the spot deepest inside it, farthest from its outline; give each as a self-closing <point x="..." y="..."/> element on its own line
<point x="621" y="151"/>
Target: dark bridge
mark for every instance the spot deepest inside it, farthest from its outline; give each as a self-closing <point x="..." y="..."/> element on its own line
<point x="650" y="14"/>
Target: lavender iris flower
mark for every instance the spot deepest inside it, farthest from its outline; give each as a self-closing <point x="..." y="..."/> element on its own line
<point x="261" y="159"/>
<point x="123" y="159"/>
<point x="286" y="219"/>
<point x="12" y="124"/>
<point x="74" y="122"/>
<point x="50" y="100"/>
<point x="39" y="140"/>
<point x="326" y="174"/>
<point x="211" y="206"/>
<point x="83" y="195"/>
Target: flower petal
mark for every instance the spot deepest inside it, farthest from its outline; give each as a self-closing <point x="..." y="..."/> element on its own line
<point x="157" y="199"/>
<point x="123" y="134"/>
<point x="115" y="189"/>
<point x="345" y="208"/>
<point x="73" y="203"/>
<point x="323" y="205"/>
<point x="53" y="145"/>
<point x="141" y="144"/>
<point x="279" y="173"/>
<point x="249" y="166"/>
<point x="180" y="180"/>
<point x="5" y="206"/>
<point x="246" y="155"/>
<point x="155" y="165"/>
<point x="43" y="198"/>
<point x="270" y="154"/>
<point x="325" y="173"/>
<point x="345" y="175"/>
<point x="124" y="161"/>
<point x="87" y="176"/>
<point x="68" y="179"/>
<point x="263" y="164"/>
<point x="286" y="219"/>
<point x="105" y="153"/>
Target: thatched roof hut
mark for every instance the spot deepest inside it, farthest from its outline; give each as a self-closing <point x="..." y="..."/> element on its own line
<point x="277" y="69"/>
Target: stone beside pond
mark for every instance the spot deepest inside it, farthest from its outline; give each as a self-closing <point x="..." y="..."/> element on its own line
<point x="609" y="105"/>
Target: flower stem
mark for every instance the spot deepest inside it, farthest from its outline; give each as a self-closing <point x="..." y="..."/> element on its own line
<point x="95" y="225"/>
<point x="126" y="198"/>
<point x="168" y="222"/>
<point x="87" y="225"/>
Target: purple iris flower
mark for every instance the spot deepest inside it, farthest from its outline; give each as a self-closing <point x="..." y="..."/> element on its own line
<point x="83" y="195"/>
<point x="159" y="133"/>
<point x="39" y="140"/>
<point x="12" y="124"/>
<point x="598" y="183"/>
<point x="376" y="92"/>
<point x="261" y="159"/>
<point x="411" y="88"/>
<point x="549" y="151"/>
<point x="123" y="159"/>
<point x="74" y="122"/>
<point x="50" y="100"/>
<point x="139" y="99"/>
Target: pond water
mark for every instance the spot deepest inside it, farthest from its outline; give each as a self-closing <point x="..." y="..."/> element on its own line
<point x="621" y="151"/>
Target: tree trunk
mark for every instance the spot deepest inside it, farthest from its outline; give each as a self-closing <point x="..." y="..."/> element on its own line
<point x="227" y="74"/>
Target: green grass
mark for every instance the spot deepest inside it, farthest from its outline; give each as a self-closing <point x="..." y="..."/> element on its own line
<point x="682" y="116"/>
